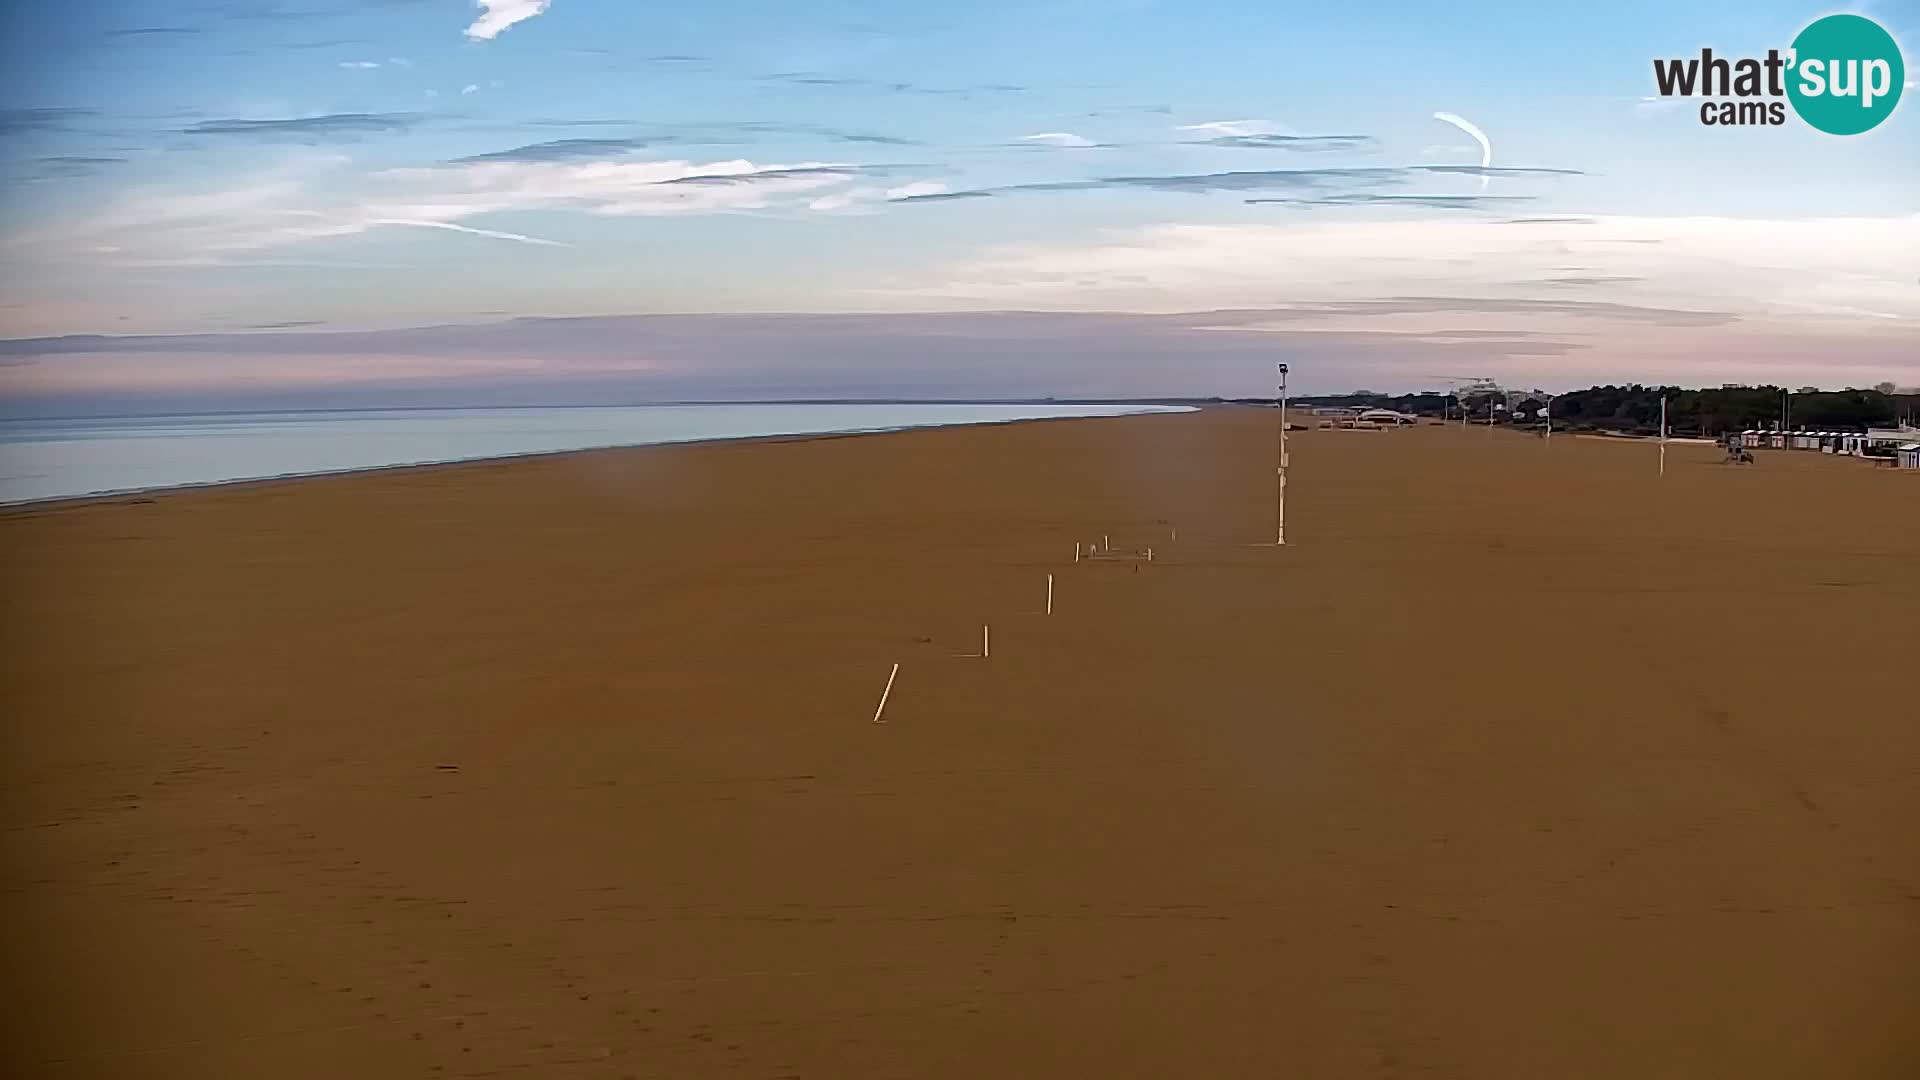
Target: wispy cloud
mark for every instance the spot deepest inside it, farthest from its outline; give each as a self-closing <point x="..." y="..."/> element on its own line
<point x="1232" y="129"/>
<point x="1063" y="139"/>
<point x="1586" y="280"/>
<point x="1200" y="183"/>
<point x="716" y="134"/>
<point x="1329" y="186"/>
<point x="40" y="121"/>
<point x="497" y="15"/>
<point x="1663" y="271"/>
<point x="564" y="150"/>
<point x="310" y="128"/>
<point x="1436" y="202"/>
<point x="360" y="65"/>
<point x="824" y="80"/>
<point x="320" y="200"/>
<point x="62" y="167"/>
<point x="470" y="88"/>
<point x="1301" y="143"/>
<point x="495" y="234"/>
<point x="1488" y="171"/>
<point x="154" y="32"/>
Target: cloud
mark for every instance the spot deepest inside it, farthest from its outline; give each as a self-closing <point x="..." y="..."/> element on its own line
<point x="61" y="167"/>
<point x="1267" y="135"/>
<point x="153" y="32"/>
<point x="1303" y="143"/>
<point x="1328" y="186"/>
<point x="819" y="79"/>
<point x="1665" y="271"/>
<point x="1233" y="129"/>
<point x="449" y="226"/>
<point x="715" y="134"/>
<point x="944" y="196"/>
<point x="563" y="150"/>
<point x="360" y="65"/>
<point x="41" y="121"/>
<point x="1063" y="139"/>
<point x="975" y="354"/>
<point x="310" y="128"/>
<point x="866" y="197"/>
<point x="1485" y="171"/>
<point x="317" y="200"/>
<point x="1437" y="202"/>
<point x="1260" y="180"/>
<point x="497" y="15"/>
<point x="470" y="88"/>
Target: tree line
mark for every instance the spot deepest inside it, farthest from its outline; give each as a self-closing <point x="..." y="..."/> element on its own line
<point x="1635" y="409"/>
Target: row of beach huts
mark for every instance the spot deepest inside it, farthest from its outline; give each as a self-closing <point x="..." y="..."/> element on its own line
<point x="1901" y="445"/>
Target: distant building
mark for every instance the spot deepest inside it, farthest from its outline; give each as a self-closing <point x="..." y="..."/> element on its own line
<point x="1908" y="456"/>
<point x="1882" y="438"/>
<point x="1385" y="418"/>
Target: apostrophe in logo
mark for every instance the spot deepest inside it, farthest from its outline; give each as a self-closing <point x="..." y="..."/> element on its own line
<point x="1843" y="75"/>
<point x="1847" y="74"/>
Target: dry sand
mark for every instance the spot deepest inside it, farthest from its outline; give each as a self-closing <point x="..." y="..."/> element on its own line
<point x="1516" y="762"/>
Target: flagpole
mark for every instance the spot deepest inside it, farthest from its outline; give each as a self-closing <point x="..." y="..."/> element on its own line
<point x="1663" y="434"/>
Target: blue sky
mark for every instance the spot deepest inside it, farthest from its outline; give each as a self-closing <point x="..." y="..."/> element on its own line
<point x="314" y="173"/>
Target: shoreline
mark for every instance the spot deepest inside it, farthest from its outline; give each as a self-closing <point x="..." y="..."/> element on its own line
<point x="128" y="495"/>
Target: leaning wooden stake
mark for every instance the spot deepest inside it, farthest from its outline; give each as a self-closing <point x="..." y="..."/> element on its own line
<point x="986" y="643"/>
<point x="1049" y="594"/>
<point x="884" y="693"/>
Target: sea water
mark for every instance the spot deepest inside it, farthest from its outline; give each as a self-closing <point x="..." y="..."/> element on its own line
<point x="54" y="459"/>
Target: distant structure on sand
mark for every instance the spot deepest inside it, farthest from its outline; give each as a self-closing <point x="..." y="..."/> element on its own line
<point x="1897" y="444"/>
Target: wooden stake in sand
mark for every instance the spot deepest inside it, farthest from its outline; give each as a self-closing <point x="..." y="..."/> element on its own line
<point x="1076" y="552"/>
<point x="1149" y="554"/>
<point x="1049" y="594"/>
<point x="1106" y="542"/>
<point x="1663" y="434"/>
<point x="986" y="643"/>
<point x="884" y="693"/>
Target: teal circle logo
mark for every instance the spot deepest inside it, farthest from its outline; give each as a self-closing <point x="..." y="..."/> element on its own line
<point x="1845" y="74"/>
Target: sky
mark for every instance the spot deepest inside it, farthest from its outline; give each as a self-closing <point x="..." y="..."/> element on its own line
<point x="238" y="203"/>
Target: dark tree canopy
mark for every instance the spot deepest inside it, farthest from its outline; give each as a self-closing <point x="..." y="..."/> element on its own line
<point x="1636" y="408"/>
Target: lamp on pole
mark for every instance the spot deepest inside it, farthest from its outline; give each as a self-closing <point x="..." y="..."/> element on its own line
<point x="1280" y="472"/>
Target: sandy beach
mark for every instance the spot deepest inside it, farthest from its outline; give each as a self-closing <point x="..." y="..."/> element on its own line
<point x="1518" y="761"/>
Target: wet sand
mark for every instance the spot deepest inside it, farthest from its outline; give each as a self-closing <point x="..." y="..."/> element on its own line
<point x="1518" y="761"/>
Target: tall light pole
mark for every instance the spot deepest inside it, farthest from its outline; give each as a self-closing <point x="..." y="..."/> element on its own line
<point x="1280" y="472"/>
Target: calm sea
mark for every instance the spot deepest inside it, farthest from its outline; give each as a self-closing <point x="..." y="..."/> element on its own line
<point x="53" y="459"/>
